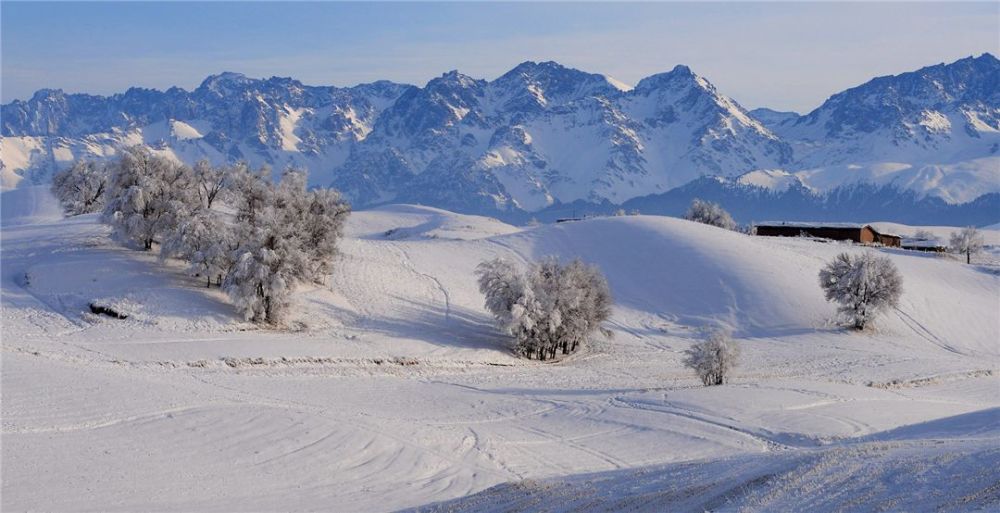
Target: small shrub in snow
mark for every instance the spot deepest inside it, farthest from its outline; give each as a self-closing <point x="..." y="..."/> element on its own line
<point x="99" y="309"/>
<point x="713" y="359"/>
<point x="863" y="285"/>
<point x="550" y="308"/>
<point x="81" y="188"/>
<point x="707" y="212"/>
<point x="967" y="241"/>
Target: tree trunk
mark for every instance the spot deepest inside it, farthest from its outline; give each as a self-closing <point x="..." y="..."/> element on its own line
<point x="968" y="257"/>
<point x="208" y="281"/>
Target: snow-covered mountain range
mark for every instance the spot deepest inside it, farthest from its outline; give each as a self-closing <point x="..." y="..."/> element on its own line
<point x="540" y="136"/>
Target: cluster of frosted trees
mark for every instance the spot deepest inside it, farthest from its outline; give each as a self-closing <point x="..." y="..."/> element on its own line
<point x="552" y="307"/>
<point x="234" y="226"/>
<point x="707" y="212"/>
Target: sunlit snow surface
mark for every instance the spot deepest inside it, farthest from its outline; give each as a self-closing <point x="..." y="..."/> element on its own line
<point x="394" y="391"/>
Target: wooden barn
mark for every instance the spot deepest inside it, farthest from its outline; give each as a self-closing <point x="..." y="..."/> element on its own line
<point x="860" y="233"/>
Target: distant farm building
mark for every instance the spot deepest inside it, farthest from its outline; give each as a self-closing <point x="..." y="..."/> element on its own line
<point x="924" y="245"/>
<point x="860" y="233"/>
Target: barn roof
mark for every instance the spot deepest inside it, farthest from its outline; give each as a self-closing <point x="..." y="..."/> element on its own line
<point x="806" y="224"/>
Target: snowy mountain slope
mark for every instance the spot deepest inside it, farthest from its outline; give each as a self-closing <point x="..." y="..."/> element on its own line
<point x="541" y="135"/>
<point x="278" y="121"/>
<point x="395" y="390"/>
<point x="461" y="143"/>
<point x="935" y="130"/>
<point x="948" y="111"/>
<point x="543" y="132"/>
<point x="772" y="118"/>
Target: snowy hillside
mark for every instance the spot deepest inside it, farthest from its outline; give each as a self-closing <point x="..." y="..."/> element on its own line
<point x="393" y="390"/>
<point x="540" y="136"/>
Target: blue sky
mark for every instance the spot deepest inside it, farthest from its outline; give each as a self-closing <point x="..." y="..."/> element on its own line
<point x="780" y="55"/>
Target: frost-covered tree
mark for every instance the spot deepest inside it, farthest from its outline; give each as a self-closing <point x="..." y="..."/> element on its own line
<point x="203" y="240"/>
<point x="147" y="196"/>
<point x="924" y="235"/>
<point x="259" y="285"/>
<point x="81" y="187"/>
<point x="285" y="235"/>
<point x="552" y="307"/>
<point x="707" y="212"/>
<point x="318" y="218"/>
<point x="324" y="226"/>
<point x="211" y="181"/>
<point x="250" y="191"/>
<point x="863" y="285"/>
<point x="502" y="284"/>
<point x="713" y="359"/>
<point x="967" y="241"/>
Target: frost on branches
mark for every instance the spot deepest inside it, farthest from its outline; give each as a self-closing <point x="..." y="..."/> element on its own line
<point x="202" y="240"/>
<point x="706" y="212"/>
<point x="147" y="197"/>
<point x="267" y="238"/>
<point x="712" y="359"/>
<point x="80" y="189"/>
<point x="287" y="235"/>
<point x="864" y="285"/>
<point x="968" y="241"/>
<point x="552" y="307"/>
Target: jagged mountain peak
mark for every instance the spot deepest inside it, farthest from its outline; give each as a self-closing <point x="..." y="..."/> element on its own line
<point x="455" y="78"/>
<point x="536" y="86"/>
<point x="45" y="94"/>
<point x="889" y="98"/>
<point x="934" y="115"/>
<point x="538" y="135"/>
<point x="224" y="81"/>
<point x="680" y="76"/>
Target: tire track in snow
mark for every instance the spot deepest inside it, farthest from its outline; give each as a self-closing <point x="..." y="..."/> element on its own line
<point x="408" y="264"/>
<point x="767" y="442"/>
<point x="925" y="333"/>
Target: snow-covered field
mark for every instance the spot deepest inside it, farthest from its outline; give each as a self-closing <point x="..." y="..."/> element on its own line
<point x="392" y="389"/>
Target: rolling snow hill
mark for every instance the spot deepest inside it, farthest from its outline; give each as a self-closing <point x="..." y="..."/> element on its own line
<point x="543" y="136"/>
<point x="392" y="389"/>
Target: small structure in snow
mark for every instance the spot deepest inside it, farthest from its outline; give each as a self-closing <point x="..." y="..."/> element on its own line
<point x="860" y="233"/>
<point x="930" y="245"/>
